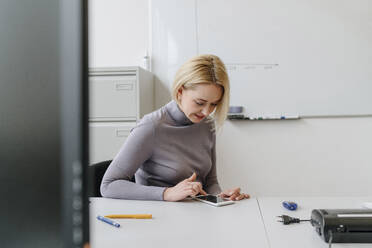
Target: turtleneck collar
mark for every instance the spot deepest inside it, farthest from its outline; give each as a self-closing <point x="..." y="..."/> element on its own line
<point x="176" y="114"/>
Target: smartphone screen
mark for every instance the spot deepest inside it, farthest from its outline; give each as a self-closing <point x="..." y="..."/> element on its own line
<point x="212" y="198"/>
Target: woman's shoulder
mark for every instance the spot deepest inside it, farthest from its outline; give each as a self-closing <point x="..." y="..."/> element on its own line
<point x="146" y="127"/>
<point x="154" y="118"/>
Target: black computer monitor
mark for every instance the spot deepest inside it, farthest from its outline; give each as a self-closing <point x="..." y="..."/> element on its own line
<point x="43" y="123"/>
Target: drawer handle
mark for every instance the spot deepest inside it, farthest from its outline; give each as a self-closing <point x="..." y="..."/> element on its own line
<point x="122" y="133"/>
<point x="124" y="86"/>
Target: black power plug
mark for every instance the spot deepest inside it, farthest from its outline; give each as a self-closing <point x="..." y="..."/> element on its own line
<point x="286" y="219"/>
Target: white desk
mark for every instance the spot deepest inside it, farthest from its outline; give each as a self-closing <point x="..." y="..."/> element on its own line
<point x="178" y="224"/>
<point x="303" y="234"/>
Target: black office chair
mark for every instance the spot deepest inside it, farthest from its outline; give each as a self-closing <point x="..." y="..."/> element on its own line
<point x="99" y="170"/>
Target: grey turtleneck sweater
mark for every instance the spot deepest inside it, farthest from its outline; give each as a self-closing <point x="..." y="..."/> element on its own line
<point x="161" y="151"/>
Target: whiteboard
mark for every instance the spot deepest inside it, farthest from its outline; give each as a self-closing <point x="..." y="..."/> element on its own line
<point x="292" y="57"/>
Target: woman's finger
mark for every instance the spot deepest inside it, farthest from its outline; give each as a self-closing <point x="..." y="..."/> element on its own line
<point x="192" y="193"/>
<point x="200" y="189"/>
<point x="240" y="197"/>
<point x="234" y="195"/>
<point x="203" y="192"/>
<point x="226" y="194"/>
<point x="246" y="196"/>
<point x="194" y="187"/>
<point x="223" y="195"/>
<point x="198" y="186"/>
<point x="237" y="190"/>
<point x="234" y="191"/>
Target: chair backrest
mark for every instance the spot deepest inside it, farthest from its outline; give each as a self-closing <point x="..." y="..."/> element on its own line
<point x="99" y="170"/>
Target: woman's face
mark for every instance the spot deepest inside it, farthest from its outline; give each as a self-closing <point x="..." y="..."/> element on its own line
<point x="200" y="101"/>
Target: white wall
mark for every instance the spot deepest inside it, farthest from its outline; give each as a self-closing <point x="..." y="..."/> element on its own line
<point x="306" y="157"/>
<point x="173" y="42"/>
<point x="118" y="32"/>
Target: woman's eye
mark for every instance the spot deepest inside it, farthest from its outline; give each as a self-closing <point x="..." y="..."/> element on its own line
<point x="199" y="103"/>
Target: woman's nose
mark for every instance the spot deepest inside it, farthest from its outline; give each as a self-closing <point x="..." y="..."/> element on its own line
<point x="207" y="110"/>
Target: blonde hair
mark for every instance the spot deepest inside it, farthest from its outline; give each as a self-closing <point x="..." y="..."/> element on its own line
<point x="205" y="69"/>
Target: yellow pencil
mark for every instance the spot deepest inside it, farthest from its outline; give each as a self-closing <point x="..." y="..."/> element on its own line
<point x="129" y="216"/>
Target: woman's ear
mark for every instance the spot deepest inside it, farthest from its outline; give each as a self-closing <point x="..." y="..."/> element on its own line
<point x="179" y="93"/>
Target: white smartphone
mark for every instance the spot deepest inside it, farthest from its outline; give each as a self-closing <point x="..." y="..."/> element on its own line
<point x="214" y="200"/>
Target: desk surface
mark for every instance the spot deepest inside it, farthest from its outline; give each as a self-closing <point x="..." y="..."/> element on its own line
<point x="178" y="224"/>
<point x="302" y="234"/>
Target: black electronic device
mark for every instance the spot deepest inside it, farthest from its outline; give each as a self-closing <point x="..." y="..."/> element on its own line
<point x="343" y="225"/>
<point x="44" y="124"/>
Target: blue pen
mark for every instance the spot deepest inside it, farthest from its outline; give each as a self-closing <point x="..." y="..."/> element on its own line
<point x="108" y="221"/>
<point x="290" y="205"/>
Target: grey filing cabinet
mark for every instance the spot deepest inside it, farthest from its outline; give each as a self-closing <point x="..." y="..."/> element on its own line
<point x="118" y="98"/>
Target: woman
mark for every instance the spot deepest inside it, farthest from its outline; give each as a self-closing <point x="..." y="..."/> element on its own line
<point x="172" y="151"/>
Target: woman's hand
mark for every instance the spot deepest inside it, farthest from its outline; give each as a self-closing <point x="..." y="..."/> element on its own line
<point x="187" y="187"/>
<point x="234" y="194"/>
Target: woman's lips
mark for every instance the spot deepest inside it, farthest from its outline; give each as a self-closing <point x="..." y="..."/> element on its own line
<point x="199" y="116"/>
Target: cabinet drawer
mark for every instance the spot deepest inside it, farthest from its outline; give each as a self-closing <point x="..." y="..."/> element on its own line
<point x="113" y="97"/>
<point x="106" y="139"/>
